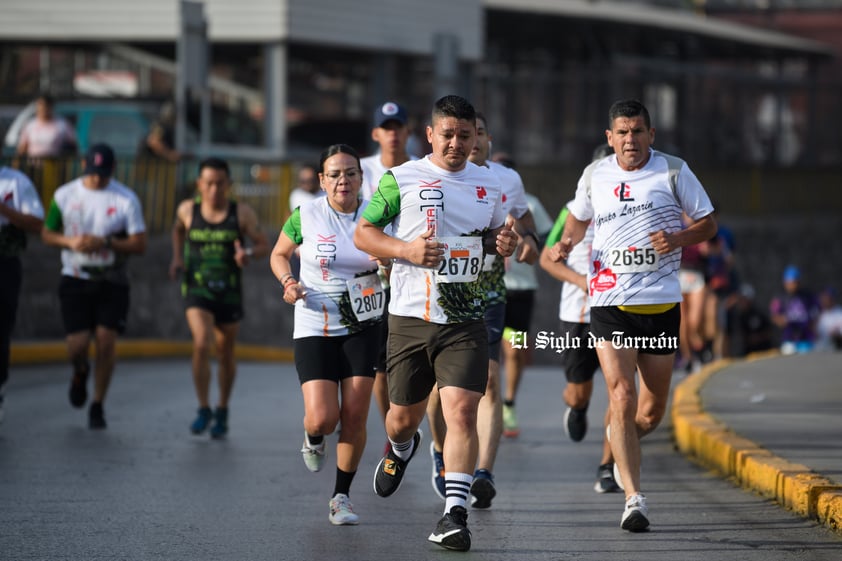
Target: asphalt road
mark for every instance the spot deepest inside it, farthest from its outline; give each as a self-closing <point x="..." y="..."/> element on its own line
<point x="145" y="489"/>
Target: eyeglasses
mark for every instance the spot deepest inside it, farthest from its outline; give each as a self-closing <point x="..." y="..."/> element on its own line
<point x="350" y="175"/>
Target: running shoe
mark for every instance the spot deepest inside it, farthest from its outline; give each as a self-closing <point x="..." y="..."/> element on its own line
<point x="96" y="416"/>
<point x="342" y="511"/>
<point x="438" y="472"/>
<point x="314" y="458"/>
<point x="636" y="516"/>
<point x="576" y="423"/>
<point x="452" y="530"/>
<point x="389" y="472"/>
<point x="220" y="423"/>
<point x="482" y="489"/>
<point x="510" y="426"/>
<point x="202" y="421"/>
<point x="605" y="482"/>
<point x="79" y="389"/>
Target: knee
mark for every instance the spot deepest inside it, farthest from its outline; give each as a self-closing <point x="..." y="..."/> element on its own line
<point x="203" y="346"/>
<point x="648" y="420"/>
<point x="462" y="417"/>
<point x="318" y="426"/>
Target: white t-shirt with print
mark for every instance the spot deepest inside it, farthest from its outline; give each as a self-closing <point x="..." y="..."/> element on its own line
<point x="112" y="210"/>
<point x="459" y="206"/>
<point x="329" y="259"/>
<point x="18" y="192"/>
<point x="626" y="206"/>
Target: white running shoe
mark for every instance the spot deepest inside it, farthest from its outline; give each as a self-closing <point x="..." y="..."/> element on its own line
<point x="342" y="511"/>
<point x="314" y="458"/>
<point x="636" y="516"/>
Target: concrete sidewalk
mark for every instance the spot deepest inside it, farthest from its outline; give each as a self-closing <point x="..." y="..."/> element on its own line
<point x="772" y="423"/>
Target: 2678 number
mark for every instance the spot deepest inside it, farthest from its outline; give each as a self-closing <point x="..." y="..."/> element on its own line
<point x="452" y="266"/>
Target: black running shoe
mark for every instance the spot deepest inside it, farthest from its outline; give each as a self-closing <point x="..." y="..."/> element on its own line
<point x="576" y="423"/>
<point x="389" y="472"/>
<point x="483" y="489"/>
<point x="452" y="530"/>
<point x="96" y="416"/>
<point x="79" y="389"/>
<point x="605" y="482"/>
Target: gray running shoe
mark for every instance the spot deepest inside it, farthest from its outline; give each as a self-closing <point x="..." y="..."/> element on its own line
<point x="314" y="458"/>
<point x="342" y="511"/>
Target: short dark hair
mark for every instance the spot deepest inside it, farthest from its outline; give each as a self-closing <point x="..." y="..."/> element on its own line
<point x="454" y="106"/>
<point x="334" y="149"/>
<point x="628" y="108"/>
<point x="215" y="163"/>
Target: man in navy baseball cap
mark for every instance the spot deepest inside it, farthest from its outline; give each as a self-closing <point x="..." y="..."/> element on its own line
<point x="99" y="160"/>
<point x="389" y="111"/>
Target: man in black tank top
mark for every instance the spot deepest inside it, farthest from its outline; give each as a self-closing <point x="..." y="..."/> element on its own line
<point x="209" y="252"/>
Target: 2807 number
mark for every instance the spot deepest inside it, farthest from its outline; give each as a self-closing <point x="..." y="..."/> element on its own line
<point x="369" y="303"/>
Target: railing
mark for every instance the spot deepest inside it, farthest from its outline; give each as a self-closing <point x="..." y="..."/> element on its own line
<point x="161" y="185"/>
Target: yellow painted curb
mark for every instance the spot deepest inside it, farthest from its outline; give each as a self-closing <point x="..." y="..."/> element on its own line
<point x="55" y="351"/>
<point x="710" y="443"/>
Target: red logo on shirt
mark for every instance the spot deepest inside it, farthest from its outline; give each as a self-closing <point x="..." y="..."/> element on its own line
<point x="111" y="210"/>
<point x="603" y="279"/>
<point x="481" y="192"/>
<point x="8" y="197"/>
<point x="623" y="192"/>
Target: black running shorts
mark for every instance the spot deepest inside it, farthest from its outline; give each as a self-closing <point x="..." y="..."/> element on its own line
<point x="519" y="306"/>
<point x="88" y="304"/>
<point x="222" y="313"/>
<point x="421" y="354"/>
<point x="655" y="334"/>
<point x="580" y="364"/>
<point x="337" y="358"/>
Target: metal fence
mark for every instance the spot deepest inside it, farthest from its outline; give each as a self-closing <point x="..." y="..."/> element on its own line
<point x="161" y="185"/>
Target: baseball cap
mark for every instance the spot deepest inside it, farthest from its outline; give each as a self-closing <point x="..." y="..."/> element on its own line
<point x="389" y="111"/>
<point x="791" y="273"/>
<point x="99" y="160"/>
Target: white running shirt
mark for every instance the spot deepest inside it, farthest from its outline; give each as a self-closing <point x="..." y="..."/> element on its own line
<point x="373" y="170"/>
<point x="574" y="305"/>
<point x="77" y="210"/>
<point x="626" y="206"/>
<point x="329" y="259"/>
<point x="18" y="192"/>
<point x="418" y="195"/>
